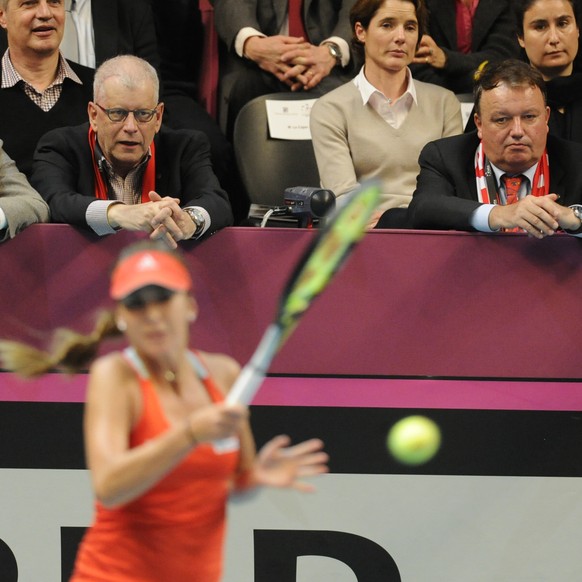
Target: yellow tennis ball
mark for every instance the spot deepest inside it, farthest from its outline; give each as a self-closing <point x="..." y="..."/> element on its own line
<point x="414" y="440"/>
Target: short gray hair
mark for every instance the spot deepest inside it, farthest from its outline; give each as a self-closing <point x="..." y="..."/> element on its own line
<point x="131" y="71"/>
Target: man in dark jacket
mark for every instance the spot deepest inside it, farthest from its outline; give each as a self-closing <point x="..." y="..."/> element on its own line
<point x="509" y="174"/>
<point x="122" y="170"/>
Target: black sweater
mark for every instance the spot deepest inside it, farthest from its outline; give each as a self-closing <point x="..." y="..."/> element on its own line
<point x="24" y="123"/>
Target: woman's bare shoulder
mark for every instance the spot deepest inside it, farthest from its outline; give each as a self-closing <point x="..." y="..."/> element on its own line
<point x="111" y="374"/>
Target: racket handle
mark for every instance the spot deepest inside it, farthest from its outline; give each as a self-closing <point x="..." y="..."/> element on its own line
<point x="250" y="379"/>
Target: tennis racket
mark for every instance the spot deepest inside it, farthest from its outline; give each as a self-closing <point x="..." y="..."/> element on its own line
<point x="315" y="269"/>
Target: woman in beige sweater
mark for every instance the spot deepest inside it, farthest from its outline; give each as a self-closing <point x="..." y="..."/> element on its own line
<point x="375" y="125"/>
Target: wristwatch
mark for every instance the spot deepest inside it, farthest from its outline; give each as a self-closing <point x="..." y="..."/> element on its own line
<point x="577" y="210"/>
<point x="335" y="52"/>
<point x="197" y="218"/>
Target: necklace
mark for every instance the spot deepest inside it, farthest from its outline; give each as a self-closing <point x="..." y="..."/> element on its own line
<point x="170" y="376"/>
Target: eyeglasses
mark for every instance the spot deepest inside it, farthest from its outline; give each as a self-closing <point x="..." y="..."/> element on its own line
<point x="117" y="114"/>
<point x="146" y="295"/>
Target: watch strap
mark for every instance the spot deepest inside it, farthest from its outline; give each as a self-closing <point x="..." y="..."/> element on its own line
<point x="577" y="210"/>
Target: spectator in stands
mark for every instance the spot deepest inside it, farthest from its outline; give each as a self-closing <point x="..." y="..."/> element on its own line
<point x="111" y="173"/>
<point x="39" y="90"/>
<point x="375" y="125"/>
<point x="20" y="204"/>
<point x="548" y="32"/>
<point x="271" y="49"/>
<point x="168" y="34"/>
<point x="509" y="174"/>
<point x="462" y="34"/>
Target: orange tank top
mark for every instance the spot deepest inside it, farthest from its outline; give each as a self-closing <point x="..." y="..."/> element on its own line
<point x="175" y="531"/>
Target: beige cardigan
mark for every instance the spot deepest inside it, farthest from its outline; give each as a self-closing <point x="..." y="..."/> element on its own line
<point x="353" y="143"/>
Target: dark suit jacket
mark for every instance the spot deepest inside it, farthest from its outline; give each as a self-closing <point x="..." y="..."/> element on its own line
<point x="124" y="27"/>
<point x="446" y="192"/>
<point x="63" y="174"/>
<point x="180" y="33"/>
<point x="494" y="39"/>
<point x="323" y="18"/>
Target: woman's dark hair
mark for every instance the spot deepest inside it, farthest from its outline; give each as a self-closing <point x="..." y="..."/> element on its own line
<point x="364" y="10"/>
<point x="511" y="72"/>
<point x="520" y="7"/>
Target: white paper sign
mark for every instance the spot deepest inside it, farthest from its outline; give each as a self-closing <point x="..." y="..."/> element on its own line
<point x="466" y="110"/>
<point x="289" y="119"/>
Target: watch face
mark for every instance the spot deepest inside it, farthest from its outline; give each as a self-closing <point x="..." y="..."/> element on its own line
<point x="335" y="52"/>
<point x="196" y="217"/>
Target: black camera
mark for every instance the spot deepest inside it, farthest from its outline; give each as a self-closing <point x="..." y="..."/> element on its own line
<point x="307" y="203"/>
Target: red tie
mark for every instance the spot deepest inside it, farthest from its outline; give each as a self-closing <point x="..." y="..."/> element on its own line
<point x="512" y="185"/>
<point x="296" y="27"/>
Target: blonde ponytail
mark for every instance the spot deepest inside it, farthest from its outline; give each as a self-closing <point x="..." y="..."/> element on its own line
<point x="72" y="351"/>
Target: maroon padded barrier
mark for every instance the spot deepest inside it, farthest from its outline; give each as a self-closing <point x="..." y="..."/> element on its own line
<point x="408" y="303"/>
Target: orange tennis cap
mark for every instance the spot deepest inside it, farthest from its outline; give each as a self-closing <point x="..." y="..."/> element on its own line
<point x="149" y="267"/>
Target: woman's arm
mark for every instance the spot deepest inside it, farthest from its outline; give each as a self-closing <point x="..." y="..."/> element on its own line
<point x="332" y="150"/>
<point x="277" y="464"/>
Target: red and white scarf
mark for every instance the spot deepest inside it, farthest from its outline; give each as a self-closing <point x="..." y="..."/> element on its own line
<point x="540" y="184"/>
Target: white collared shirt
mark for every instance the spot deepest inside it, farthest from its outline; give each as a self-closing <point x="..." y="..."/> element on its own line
<point x="78" y="43"/>
<point x="394" y="113"/>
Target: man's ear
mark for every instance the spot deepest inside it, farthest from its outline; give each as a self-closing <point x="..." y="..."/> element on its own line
<point x="159" y="116"/>
<point x="92" y="113"/>
<point x="477" y="121"/>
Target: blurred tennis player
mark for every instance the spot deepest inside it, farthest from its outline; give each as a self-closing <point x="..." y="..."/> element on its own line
<point x="151" y="415"/>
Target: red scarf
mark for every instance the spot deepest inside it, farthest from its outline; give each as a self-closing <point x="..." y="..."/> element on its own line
<point x="148" y="182"/>
<point x="540" y="185"/>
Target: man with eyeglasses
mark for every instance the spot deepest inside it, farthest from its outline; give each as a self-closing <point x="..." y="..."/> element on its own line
<point x="123" y="170"/>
